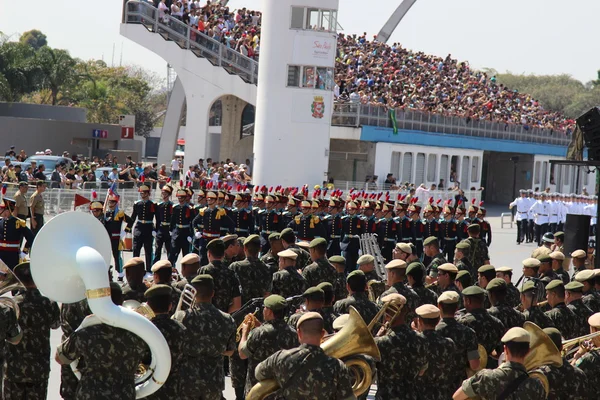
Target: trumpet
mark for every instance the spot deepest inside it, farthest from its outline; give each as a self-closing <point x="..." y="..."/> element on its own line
<point x="387" y="309"/>
<point x="249" y="319"/>
<point x="432" y="285"/>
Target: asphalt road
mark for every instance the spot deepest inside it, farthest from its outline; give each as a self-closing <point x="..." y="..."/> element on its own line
<point x="503" y="252"/>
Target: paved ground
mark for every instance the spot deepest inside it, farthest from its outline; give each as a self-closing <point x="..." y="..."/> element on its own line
<point x="503" y="252"/>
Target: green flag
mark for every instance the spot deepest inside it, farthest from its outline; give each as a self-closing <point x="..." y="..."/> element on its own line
<point x="575" y="150"/>
<point x="392" y="112"/>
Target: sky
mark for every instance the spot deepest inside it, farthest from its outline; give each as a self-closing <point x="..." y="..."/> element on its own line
<point x="520" y="36"/>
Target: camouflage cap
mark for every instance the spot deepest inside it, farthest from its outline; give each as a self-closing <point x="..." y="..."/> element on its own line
<point x="555" y="283"/>
<point x="275" y="302"/>
<point x="158" y="290"/>
<point x="365" y="259"/>
<point x="252" y="239"/>
<point x="317" y="242"/>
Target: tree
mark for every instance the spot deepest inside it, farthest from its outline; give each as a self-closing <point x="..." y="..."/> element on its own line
<point x="34" y="38"/>
<point x="56" y="71"/>
<point x="17" y="70"/>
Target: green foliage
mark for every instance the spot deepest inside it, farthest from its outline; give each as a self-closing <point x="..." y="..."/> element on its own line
<point x="34" y="38"/>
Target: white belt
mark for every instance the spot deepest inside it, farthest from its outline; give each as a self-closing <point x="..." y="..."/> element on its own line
<point x="9" y="245"/>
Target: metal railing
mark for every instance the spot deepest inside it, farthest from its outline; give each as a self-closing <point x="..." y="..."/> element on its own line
<point x="504" y="216"/>
<point x="186" y="37"/>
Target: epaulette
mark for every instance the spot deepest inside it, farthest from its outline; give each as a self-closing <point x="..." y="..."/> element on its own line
<point x="316" y="219"/>
<point x="327" y="217"/>
<point x="119" y="215"/>
<point x="20" y="223"/>
<point x="221" y="212"/>
<point x="297" y="219"/>
<point x="138" y="201"/>
<point x="201" y="212"/>
<point x="345" y="217"/>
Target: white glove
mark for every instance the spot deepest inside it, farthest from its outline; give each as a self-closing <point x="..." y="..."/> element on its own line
<point x="190" y="240"/>
<point x="23" y="256"/>
<point x="198" y="235"/>
<point x="153" y="233"/>
<point x="123" y="234"/>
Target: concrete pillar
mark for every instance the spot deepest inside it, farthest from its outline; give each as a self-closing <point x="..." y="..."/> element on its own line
<point x="196" y="131"/>
<point x="231" y="125"/>
<point x="170" y="130"/>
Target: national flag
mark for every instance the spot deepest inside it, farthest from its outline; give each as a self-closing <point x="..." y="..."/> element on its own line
<point x="112" y="190"/>
<point x="80" y="200"/>
<point x="575" y="149"/>
<point x="392" y="112"/>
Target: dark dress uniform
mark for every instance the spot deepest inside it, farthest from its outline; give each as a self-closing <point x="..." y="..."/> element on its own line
<point x="12" y="232"/>
<point x="432" y="268"/>
<point x="181" y="220"/>
<point x="143" y="217"/>
<point x="359" y="300"/>
<point x="592" y="300"/>
<point x="582" y="313"/>
<point x="288" y="282"/>
<point x="418" y="234"/>
<point x="462" y="227"/>
<point x="437" y="383"/>
<point x="243" y="222"/>
<point x="387" y="235"/>
<point x="566" y="382"/>
<point x="288" y="217"/>
<point x="213" y="223"/>
<point x="486" y="232"/>
<point x="269" y="221"/>
<point x="113" y="223"/>
<point x="133" y="291"/>
<point x="333" y="225"/>
<point x="413" y="301"/>
<point x="71" y="316"/>
<point x="448" y="238"/>
<point x="405" y="229"/>
<point x="308" y="227"/>
<point x="564" y="320"/>
<point x="271" y="261"/>
<point x="227" y="285"/>
<point x="28" y="362"/>
<point x="164" y="212"/>
<point x="590" y="365"/>
<point x="513" y="296"/>
<point x="426" y="295"/>
<point x="352" y="227"/>
<point x="489" y="330"/>
<point x="339" y="287"/>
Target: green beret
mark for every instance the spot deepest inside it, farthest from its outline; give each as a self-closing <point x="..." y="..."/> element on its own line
<point x="355" y="274"/>
<point x="337" y="260"/>
<point x="252" y="238"/>
<point x="22" y="269"/>
<point x="288" y="235"/>
<point x="216" y="244"/>
<point x="430" y="240"/>
<point x="554" y="334"/>
<point x="574" y="286"/>
<point x="463" y="245"/>
<point x="486" y="268"/>
<point x="496" y="283"/>
<point x="472" y="226"/>
<point x="554" y="284"/>
<point x="365" y="259"/>
<point x="545" y="258"/>
<point x="529" y="286"/>
<point x="158" y="290"/>
<point x="325" y="286"/>
<point x="473" y="291"/>
<point x="461" y="274"/>
<point x="560" y="235"/>
<point x="416" y="265"/>
<point x="314" y="293"/>
<point x="274" y="236"/>
<point x="203" y="278"/>
<point x="275" y="302"/>
<point x="317" y="242"/>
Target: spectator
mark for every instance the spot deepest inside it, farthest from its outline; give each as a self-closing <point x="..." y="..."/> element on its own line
<point x="175" y="167"/>
<point x="105" y="177"/>
<point x="70" y="178"/>
<point x="441" y="185"/>
<point x="389" y="181"/>
<point x="10" y="152"/>
<point x="55" y="178"/>
<point x="20" y="174"/>
<point x="114" y="175"/>
<point x="29" y="172"/>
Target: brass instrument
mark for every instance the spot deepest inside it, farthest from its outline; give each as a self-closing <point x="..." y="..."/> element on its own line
<point x="248" y="319"/>
<point x="187" y="298"/>
<point x="432" y="285"/>
<point x="375" y="289"/>
<point x="353" y="339"/>
<point x="570" y="346"/>
<point x="483" y="359"/>
<point x="140" y="308"/>
<point x="390" y="309"/>
<point x="542" y="351"/>
<point x="8" y="283"/>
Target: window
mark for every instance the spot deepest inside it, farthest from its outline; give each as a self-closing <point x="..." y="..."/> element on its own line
<point x="308" y="77"/>
<point x="395" y="168"/>
<point x="464" y="170"/>
<point x="567" y="172"/>
<point x="544" y="175"/>
<point x="420" y="171"/>
<point x="293" y="76"/>
<point x="475" y="169"/>
<point x="314" y="18"/>
<point x="322" y="78"/>
<point x="297" y="18"/>
<point x="444" y="168"/>
<point x="407" y="167"/>
<point x="431" y="167"/>
<point x="536" y="177"/>
<point x="585" y="176"/>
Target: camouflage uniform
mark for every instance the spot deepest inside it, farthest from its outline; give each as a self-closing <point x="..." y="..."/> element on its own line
<point x="589" y="363"/>
<point x="412" y="298"/>
<point x="489" y="384"/>
<point x="592" y="300"/>
<point x="434" y="264"/>
<point x="327" y="378"/>
<point x="403" y="355"/>
<point x="478" y="253"/>
<point x="210" y="333"/>
<point x="509" y="317"/>
<point x="71" y="316"/>
<point x="489" y="329"/>
<point x="437" y="383"/>
<point x="562" y="275"/>
<point x="538" y="317"/>
<point x="264" y="341"/>
<point x="339" y="287"/>
<point x="566" y="382"/>
<point x="372" y="275"/>
<point x="582" y="313"/>
<point x="180" y="284"/>
<point x="466" y="344"/>
<point x="327" y="319"/>
<point x="112" y="356"/>
<point x="319" y="271"/>
<point x="465" y="265"/>
<point x="303" y="258"/>
<point x="271" y="261"/>
<point x="227" y="286"/>
<point x="450" y="287"/>
<point x="10" y="329"/>
<point x="359" y="300"/>
<point x="288" y="282"/>
<point x="513" y="296"/>
<point x="254" y="278"/>
<point x="564" y="320"/>
<point x="174" y="333"/>
<point x="426" y="296"/>
<point x="134" y="292"/>
<point x="28" y="363"/>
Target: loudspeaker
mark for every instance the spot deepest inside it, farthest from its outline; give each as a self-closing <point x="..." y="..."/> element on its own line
<point x="577" y="233"/>
<point x="589" y="123"/>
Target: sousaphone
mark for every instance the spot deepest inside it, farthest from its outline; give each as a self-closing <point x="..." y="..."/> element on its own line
<point x="69" y="262"/>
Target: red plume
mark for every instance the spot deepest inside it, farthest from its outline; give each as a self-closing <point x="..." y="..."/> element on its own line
<point x="324" y="192"/>
<point x="142" y="178"/>
<point x="189" y="184"/>
<point x="473" y="201"/>
<point x="255" y="189"/>
<point x="181" y="183"/>
<point x="431" y="200"/>
<point x="379" y="195"/>
<point x="481" y="203"/>
<point x="169" y="180"/>
<point x="460" y="202"/>
<point x="94" y="195"/>
<point x="439" y="201"/>
<point x="351" y="191"/>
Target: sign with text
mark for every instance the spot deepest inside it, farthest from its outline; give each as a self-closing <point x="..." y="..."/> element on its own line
<point x="314" y="50"/>
<point x="99" y="134"/>
<point x="127" y="132"/>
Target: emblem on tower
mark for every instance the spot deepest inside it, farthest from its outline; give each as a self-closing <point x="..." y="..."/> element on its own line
<point x="318" y="107"/>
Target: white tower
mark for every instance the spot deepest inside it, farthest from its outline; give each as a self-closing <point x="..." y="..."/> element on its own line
<point x="295" y="92"/>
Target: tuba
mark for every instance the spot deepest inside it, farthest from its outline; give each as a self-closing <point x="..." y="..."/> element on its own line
<point x="542" y="351"/>
<point x="8" y="283"/>
<point x="79" y="269"/>
<point x="140" y="308"/>
<point x="352" y="340"/>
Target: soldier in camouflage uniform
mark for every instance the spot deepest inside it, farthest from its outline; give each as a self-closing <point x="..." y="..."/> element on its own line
<point x="479" y="254"/>
<point x="71" y="316"/>
<point x="509" y="317"/>
<point x="513" y="296"/>
<point x="28" y="362"/>
<point x="288" y="240"/>
<point x="190" y="264"/>
<point x="566" y="381"/>
<point x="366" y="263"/>
<point x="211" y="335"/>
<point x="232" y="249"/>
<point x="358" y="298"/>
<point x="464" y="337"/>
<point x="461" y="259"/>
<point x="135" y="288"/>
<point x="415" y="275"/>
<point x="591" y="297"/>
<point x="446" y="279"/>
<point x="314" y="299"/>
<point x="437" y="383"/>
<point x="531" y="311"/>
<point x="557" y="266"/>
<point x="575" y="303"/>
<point x="287" y="282"/>
<point x="266" y="338"/>
<point x="530" y="272"/>
<point x="321" y="269"/>
<point x="339" y="263"/>
<point x="510" y="380"/>
<point x="325" y="377"/>
<point x="163" y="275"/>
<point x="227" y="296"/>
<point x="562" y="317"/>
<point x="403" y="356"/>
<point x="396" y="276"/>
<point x="463" y="280"/>
<point x="327" y="310"/>
<point x="488" y="328"/>
<point x="271" y="259"/>
<point x="431" y="248"/>
<point x="159" y="300"/>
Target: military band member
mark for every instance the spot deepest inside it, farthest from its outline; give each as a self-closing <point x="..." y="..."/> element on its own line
<point x="545" y="247"/>
<point x="530" y="272"/>
<point x="287" y="282"/>
<point x="36" y="207"/>
<point x="113" y="221"/>
<point x="478" y="251"/>
<point x="357" y="298"/>
<point x="242" y="215"/>
<point x="269" y="221"/>
<point x="509" y="380"/>
<point x="253" y="275"/>
<point x="366" y="263"/>
<point x="267" y="338"/>
<point x="557" y="266"/>
<point x="333" y="379"/>
<point x="416" y="226"/>
<point x="562" y="317"/>
<point x="143" y="213"/>
<point x="587" y="357"/>
<point x="12" y="232"/>
<point x="227" y="296"/>
<point x="162" y="274"/>
<point x="403" y="355"/>
<point x="210" y="336"/>
<point x="415" y="276"/>
<point x="449" y="233"/>
<point x="180" y="227"/>
<point x="431" y="247"/>
<point x="135" y="288"/>
<point x="387" y="232"/>
<point x="461" y="221"/>
<point x="288" y="241"/>
<point x="314" y="299"/>
<point x="486" y="228"/>
<point x="20" y="198"/>
<point x="559" y="239"/>
<point x="591" y="297"/>
<point x="339" y="263"/>
<point x="320" y="270"/>
<point x="497" y="290"/>
<point x="190" y="264"/>
<point x="513" y="296"/>
<point x="439" y="378"/>
<point x="446" y="277"/>
<point x="566" y="381"/>
<point x="575" y="303"/>
<point x="578" y="258"/>
<point x="485" y="274"/>
<point x="291" y="210"/>
<point x="164" y="212"/>
<point x="368" y="215"/>
<point x="271" y="259"/>
<point x="307" y="225"/>
<point x="212" y="222"/>
<point x="463" y="280"/>
<point x="402" y="251"/>
<point x="404" y="223"/>
<point x="352" y="227"/>
<point x="232" y="249"/>
<point x="327" y="311"/>
<point x="531" y="311"/>
<point x="545" y="272"/>
<point x="71" y="316"/>
<point x="333" y="225"/>
<point x="159" y="300"/>
<point x="28" y="362"/>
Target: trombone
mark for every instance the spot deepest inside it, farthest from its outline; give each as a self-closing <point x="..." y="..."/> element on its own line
<point x="570" y="346"/>
<point x="390" y="309"/>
